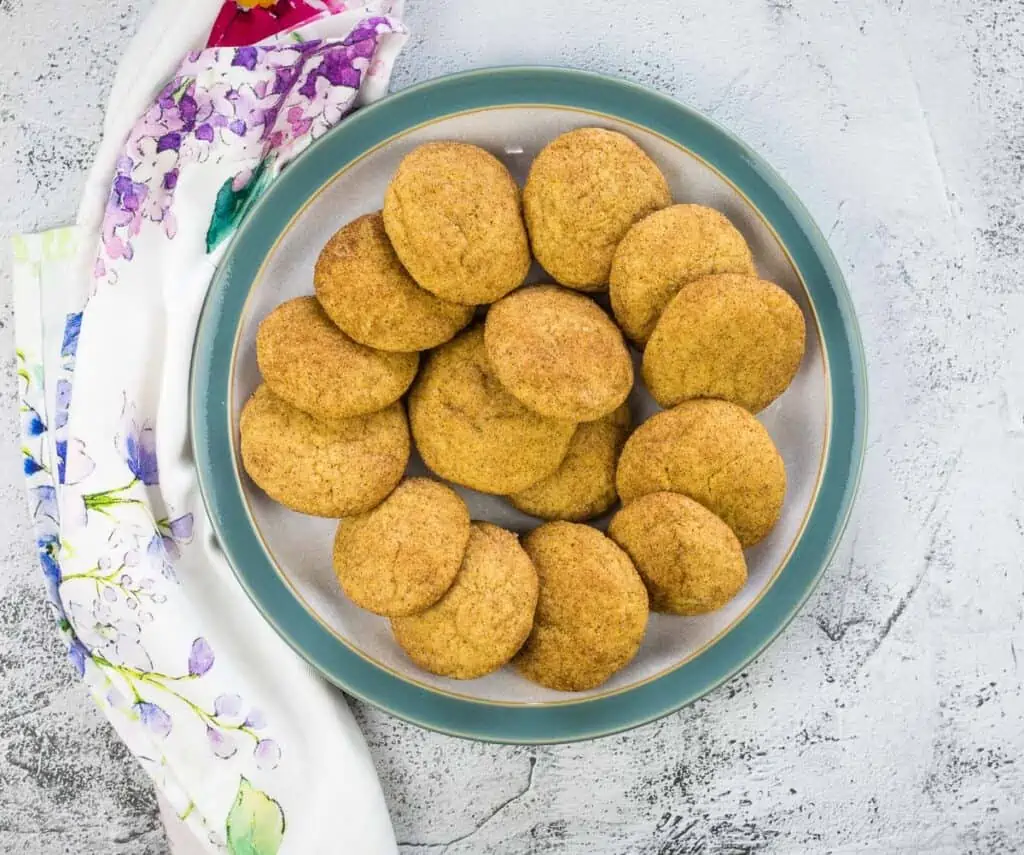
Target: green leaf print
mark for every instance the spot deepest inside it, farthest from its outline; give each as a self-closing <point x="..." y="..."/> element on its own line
<point x="255" y="823"/>
<point x="231" y="205"/>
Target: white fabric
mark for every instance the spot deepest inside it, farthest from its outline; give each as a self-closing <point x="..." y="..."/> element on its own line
<point x="181" y="664"/>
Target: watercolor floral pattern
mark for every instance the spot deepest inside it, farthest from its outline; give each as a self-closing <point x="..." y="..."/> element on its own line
<point x="257" y="105"/>
<point x="251" y="109"/>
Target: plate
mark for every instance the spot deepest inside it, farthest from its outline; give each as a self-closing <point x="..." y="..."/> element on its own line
<point x="283" y="559"/>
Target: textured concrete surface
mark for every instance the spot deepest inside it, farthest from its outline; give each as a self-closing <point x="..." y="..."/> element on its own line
<point x="888" y="716"/>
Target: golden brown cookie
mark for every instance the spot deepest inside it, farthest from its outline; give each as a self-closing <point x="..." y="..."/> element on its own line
<point x="402" y="556"/>
<point x="486" y="615"/>
<point x="558" y="353"/>
<point x="365" y="290"/>
<point x="469" y="430"/>
<point x="592" y="611"/>
<point x="733" y="337"/>
<point x="663" y="252"/>
<point x="453" y="214"/>
<point x="689" y="559"/>
<point x="585" y="189"/>
<point x="325" y="468"/>
<point x="716" y="453"/>
<point x="583" y="487"/>
<point x="310" y="363"/>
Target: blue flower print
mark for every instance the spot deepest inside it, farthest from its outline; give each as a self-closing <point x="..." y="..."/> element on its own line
<point x="72" y="328"/>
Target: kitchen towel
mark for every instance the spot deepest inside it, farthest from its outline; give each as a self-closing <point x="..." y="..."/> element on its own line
<point x="251" y="750"/>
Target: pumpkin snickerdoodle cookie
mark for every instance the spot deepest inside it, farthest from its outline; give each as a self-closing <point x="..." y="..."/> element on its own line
<point x="689" y="559"/>
<point x="325" y="468"/>
<point x="662" y="253"/>
<point x="366" y="291"/>
<point x="584" y="191"/>
<point x="558" y="353"/>
<point x="583" y="487"/>
<point x="470" y="430"/>
<point x="486" y="615"/>
<point x="452" y="212"/>
<point x="592" y="611"/>
<point x="716" y="453"/>
<point x="401" y="557"/>
<point x="310" y="363"/>
<point x="732" y="337"/>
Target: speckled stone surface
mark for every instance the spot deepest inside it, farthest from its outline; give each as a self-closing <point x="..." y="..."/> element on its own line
<point x="887" y="718"/>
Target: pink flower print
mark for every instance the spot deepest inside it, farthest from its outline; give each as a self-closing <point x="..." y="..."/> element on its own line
<point x="298" y="122"/>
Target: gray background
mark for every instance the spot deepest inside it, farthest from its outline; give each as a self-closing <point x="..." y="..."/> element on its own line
<point x="888" y="717"/>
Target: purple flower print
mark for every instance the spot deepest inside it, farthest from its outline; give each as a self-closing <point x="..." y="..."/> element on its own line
<point x="137" y="444"/>
<point x="78" y="654"/>
<point x="267" y="754"/>
<point x="228" y="706"/>
<point x="63" y="403"/>
<point x="45" y="507"/>
<point x="255" y="720"/>
<point x="245" y="57"/>
<point x="154" y="718"/>
<point x="200" y="659"/>
<point x="221" y="743"/>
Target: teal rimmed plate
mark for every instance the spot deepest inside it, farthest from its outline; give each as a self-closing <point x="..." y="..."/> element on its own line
<point x="282" y="559"/>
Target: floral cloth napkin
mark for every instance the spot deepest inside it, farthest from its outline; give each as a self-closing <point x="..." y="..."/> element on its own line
<point x="250" y="748"/>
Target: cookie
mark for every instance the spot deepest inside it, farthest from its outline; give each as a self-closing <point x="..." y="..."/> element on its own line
<point x="484" y="618"/>
<point x="732" y="337"/>
<point x="716" y="453"/>
<point x="663" y="252"/>
<point x="583" y="487"/>
<point x="402" y="556"/>
<point x="469" y="430"/>
<point x="584" y="191"/>
<point x="592" y="611"/>
<point x="558" y="353"/>
<point x="310" y="363"/>
<point x="364" y="289"/>
<point x="325" y="468"/>
<point x="452" y="212"/>
<point x="690" y="561"/>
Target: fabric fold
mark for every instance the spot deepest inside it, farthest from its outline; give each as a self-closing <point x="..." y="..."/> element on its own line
<point x="251" y="749"/>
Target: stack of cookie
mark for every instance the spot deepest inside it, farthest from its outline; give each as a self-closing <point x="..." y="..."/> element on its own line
<point x="523" y="394"/>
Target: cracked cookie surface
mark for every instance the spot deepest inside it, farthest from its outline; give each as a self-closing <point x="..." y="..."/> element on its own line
<point x="471" y="431"/>
<point x="716" y="453"/>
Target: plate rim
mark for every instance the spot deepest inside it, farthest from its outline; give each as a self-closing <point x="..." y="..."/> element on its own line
<point x="751" y="635"/>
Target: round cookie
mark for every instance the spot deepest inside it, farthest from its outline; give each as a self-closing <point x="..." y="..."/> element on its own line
<point x="325" y="468"/>
<point x="469" y="430"/>
<point x="689" y="559"/>
<point x="663" y="252"/>
<point x="592" y="611"/>
<point x="310" y="363"/>
<point x="452" y="212"/>
<point x="716" y="453"/>
<point x="584" y="191"/>
<point x="732" y="337"/>
<point x="583" y="487"/>
<point x="558" y="353"/>
<point x="485" y="617"/>
<point x="402" y="556"/>
<point x="364" y="289"/>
